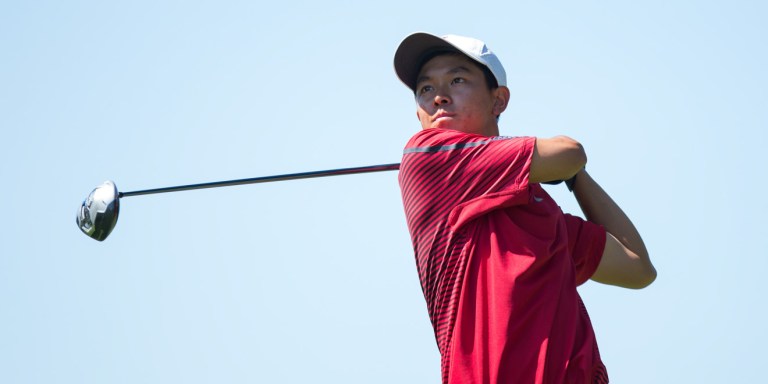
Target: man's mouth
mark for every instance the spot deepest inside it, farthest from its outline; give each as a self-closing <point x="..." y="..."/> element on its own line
<point x="442" y="115"/>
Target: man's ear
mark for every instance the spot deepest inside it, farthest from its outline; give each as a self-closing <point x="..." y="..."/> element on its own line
<point x="500" y="100"/>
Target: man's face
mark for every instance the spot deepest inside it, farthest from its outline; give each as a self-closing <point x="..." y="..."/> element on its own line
<point x="451" y="93"/>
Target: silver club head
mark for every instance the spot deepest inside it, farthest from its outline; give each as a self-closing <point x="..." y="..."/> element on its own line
<point x="98" y="214"/>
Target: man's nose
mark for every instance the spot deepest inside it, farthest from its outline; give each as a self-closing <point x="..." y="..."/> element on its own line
<point x="441" y="98"/>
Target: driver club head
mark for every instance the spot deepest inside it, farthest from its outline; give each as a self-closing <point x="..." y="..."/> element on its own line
<point x="98" y="213"/>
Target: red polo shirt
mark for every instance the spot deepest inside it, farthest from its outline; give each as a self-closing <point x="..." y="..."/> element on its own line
<point x="499" y="262"/>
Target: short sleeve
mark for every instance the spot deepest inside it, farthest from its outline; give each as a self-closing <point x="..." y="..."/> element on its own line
<point x="472" y="174"/>
<point x="499" y="174"/>
<point x="586" y="243"/>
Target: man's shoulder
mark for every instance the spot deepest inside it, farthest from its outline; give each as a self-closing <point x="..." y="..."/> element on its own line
<point x="429" y="140"/>
<point x="437" y="136"/>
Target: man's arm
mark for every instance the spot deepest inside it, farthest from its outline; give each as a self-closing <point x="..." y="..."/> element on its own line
<point x="625" y="261"/>
<point x="557" y="158"/>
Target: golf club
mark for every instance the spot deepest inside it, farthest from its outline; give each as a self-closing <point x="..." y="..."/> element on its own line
<point x="97" y="215"/>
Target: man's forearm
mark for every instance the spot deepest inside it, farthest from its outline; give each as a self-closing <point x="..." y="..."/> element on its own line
<point x="599" y="208"/>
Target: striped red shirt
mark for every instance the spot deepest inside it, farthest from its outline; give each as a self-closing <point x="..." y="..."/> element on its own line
<point x="499" y="262"/>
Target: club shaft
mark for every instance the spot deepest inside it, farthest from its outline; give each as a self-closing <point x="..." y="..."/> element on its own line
<point x="267" y="179"/>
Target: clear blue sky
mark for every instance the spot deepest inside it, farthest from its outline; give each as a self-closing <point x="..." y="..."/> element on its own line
<point x="315" y="280"/>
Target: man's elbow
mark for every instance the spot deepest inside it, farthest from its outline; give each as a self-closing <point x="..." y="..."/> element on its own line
<point x="643" y="277"/>
<point x="557" y="158"/>
<point x="577" y="156"/>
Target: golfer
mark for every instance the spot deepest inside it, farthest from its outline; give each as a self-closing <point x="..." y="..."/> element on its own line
<point x="498" y="261"/>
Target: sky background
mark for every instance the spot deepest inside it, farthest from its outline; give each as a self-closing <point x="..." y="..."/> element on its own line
<point x="314" y="280"/>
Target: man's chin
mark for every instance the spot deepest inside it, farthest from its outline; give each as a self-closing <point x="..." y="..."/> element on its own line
<point x="444" y="124"/>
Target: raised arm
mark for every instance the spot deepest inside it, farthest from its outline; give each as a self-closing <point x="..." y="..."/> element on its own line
<point x="625" y="261"/>
<point x="557" y="158"/>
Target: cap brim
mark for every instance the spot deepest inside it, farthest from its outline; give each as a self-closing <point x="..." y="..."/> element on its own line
<point x="412" y="51"/>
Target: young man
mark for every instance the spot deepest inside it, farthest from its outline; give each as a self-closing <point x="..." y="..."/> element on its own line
<point x="499" y="262"/>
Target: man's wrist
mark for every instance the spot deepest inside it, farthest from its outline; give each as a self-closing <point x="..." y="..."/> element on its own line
<point x="570" y="182"/>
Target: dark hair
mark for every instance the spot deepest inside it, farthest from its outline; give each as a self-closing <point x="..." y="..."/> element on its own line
<point x="490" y="79"/>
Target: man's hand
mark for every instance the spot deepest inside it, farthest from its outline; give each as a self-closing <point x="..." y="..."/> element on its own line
<point x="568" y="183"/>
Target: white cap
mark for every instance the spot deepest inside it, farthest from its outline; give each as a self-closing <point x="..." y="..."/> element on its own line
<point x="415" y="48"/>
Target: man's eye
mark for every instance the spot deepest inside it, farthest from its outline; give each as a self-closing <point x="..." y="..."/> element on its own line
<point x="457" y="80"/>
<point x="425" y="89"/>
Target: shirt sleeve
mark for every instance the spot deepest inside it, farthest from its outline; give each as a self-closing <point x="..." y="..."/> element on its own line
<point x="474" y="174"/>
<point x="586" y="243"/>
